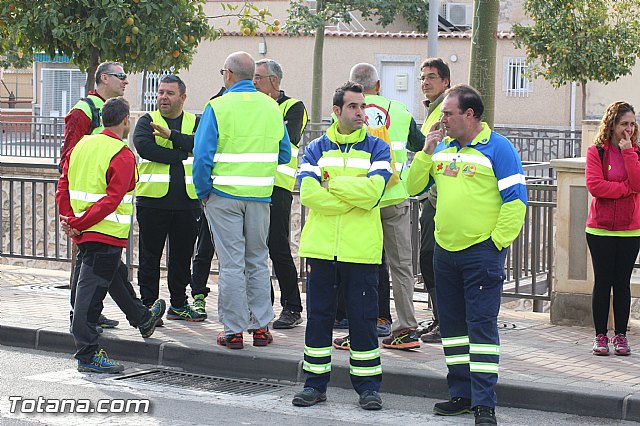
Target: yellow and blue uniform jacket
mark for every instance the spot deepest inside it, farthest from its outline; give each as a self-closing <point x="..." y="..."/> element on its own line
<point x="342" y="179"/>
<point x="481" y="190"/>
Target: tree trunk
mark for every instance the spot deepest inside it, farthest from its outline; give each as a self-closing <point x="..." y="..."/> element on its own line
<point x="91" y="70"/>
<point x="583" y="85"/>
<point x="316" y="77"/>
<point x="482" y="68"/>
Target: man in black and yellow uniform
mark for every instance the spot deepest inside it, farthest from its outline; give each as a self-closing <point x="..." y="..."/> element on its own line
<point x="267" y="80"/>
<point x="165" y="198"/>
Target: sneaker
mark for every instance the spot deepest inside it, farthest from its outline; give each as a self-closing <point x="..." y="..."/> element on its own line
<point x="341" y="324"/>
<point x="342" y="343"/>
<point x="308" y="397"/>
<point x="157" y="311"/>
<point x="105" y="322"/>
<point x="287" y="319"/>
<point x="384" y="327"/>
<point x="370" y="400"/>
<point x="453" y="407"/>
<point x="405" y="340"/>
<point x="231" y="341"/>
<point x="620" y="345"/>
<point x="184" y="313"/>
<point x="432" y="336"/>
<point x="199" y="304"/>
<point x="601" y="345"/>
<point x="100" y="363"/>
<point x="159" y="322"/>
<point x="425" y="327"/>
<point x="485" y="416"/>
<point x="262" y="337"/>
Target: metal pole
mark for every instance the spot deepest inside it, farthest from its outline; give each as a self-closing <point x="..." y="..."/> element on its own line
<point x="434" y="7"/>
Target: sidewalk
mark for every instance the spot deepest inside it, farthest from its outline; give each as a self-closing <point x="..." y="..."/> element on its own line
<point x="542" y="366"/>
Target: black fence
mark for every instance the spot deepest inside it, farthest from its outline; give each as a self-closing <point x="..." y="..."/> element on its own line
<point x="31" y="230"/>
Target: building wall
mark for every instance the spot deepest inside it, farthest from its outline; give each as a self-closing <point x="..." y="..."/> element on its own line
<point x="599" y="95"/>
<point x="341" y="53"/>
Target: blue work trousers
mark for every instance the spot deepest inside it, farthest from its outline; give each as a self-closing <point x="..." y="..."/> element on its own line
<point x="360" y="285"/>
<point x="468" y="287"/>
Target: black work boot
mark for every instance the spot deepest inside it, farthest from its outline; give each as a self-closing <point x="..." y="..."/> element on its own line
<point x="453" y="407"/>
<point x="485" y="416"/>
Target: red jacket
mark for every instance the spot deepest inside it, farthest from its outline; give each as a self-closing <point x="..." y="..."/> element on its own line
<point x="121" y="178"/>
<point x="616" y="204"/>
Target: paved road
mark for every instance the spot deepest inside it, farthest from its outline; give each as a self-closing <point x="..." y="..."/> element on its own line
<point x="30" y="374"/>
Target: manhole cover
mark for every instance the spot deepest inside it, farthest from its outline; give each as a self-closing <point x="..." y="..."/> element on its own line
<point x="202" y="382"/>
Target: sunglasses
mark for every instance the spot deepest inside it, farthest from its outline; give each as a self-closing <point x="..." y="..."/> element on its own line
<point x="225" y="69"/>
<point x="119" y="75"/>
<point x="170" y="77"/>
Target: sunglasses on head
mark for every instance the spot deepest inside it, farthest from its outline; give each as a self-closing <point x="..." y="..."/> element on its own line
<point x="119" y="75"/>
<point x="171" y="78"/>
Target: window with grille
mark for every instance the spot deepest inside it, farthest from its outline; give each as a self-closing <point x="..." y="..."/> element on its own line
<point x="516" y="81"/>
<point x="61" y="89"/>
<point x="151" y="82"/>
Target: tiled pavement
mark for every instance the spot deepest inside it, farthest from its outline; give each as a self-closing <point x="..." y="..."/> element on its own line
<point x="542" y="366"/>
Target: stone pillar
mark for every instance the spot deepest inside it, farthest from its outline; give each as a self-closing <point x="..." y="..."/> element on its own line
<point x="573" y="278"/>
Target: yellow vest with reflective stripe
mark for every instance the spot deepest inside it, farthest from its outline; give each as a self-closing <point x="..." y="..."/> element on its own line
<point x="250" y="129"/>
<point x="84" y="107"/>
<point x="88" y="167"/>
<point x="286" y="173"/>
<point x="399" y="122"/>
<point x="435" y="115"/>
<point x="154" y="177"/>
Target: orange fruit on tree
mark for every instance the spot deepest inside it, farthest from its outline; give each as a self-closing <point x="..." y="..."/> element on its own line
<point x="127" y="40"/>
<point x="135" y="30"/>
<point x="175" y="54"/>
<point x="130" y="21"/>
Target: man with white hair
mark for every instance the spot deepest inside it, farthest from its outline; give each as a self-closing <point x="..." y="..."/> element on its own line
<point x="239" y="143"/>
<point x="267" y="80"/>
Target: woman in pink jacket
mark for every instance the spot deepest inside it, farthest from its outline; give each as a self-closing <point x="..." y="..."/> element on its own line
<point x="613" y="225"/>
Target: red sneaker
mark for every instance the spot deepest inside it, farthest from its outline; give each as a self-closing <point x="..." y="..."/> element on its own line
<point x="231" y="341"/>
<point x="262" y="337"/>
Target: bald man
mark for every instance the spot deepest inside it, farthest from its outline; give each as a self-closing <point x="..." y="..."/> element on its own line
<point x="239" y="143"/>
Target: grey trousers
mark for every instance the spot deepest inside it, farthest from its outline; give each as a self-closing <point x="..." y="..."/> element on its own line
<point x="240" y="230"/>
<point x="396" y="226"/>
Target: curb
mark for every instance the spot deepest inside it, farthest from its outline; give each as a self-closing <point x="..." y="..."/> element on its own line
<point x="618" y="405"/>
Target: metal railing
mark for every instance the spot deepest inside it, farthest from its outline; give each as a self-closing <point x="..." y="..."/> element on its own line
<point x="31" y="230"/>
<point x="32" y="136"/>
<point x="41" y="137"/>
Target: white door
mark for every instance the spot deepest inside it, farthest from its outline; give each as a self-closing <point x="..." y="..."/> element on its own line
<point x="398" y="82"/>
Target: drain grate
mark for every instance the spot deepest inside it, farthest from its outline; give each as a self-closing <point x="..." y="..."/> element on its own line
<point x="202" y="382"/>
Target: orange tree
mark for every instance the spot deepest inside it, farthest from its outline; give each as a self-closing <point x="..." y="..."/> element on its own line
<point x="580" y="40"/>
<point x="142" y="34"/>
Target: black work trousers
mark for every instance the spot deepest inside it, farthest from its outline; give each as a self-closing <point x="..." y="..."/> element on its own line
<point x="280" y="250"/>
<point x="201" y="267"/>
<point x="613" y="259"/>
<point x="427" y="248"/>
<point x="101" y="270"/>
<point x="181" y="228"/>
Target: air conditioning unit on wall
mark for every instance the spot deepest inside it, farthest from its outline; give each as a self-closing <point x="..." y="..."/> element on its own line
<point x="459" y="14"/>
